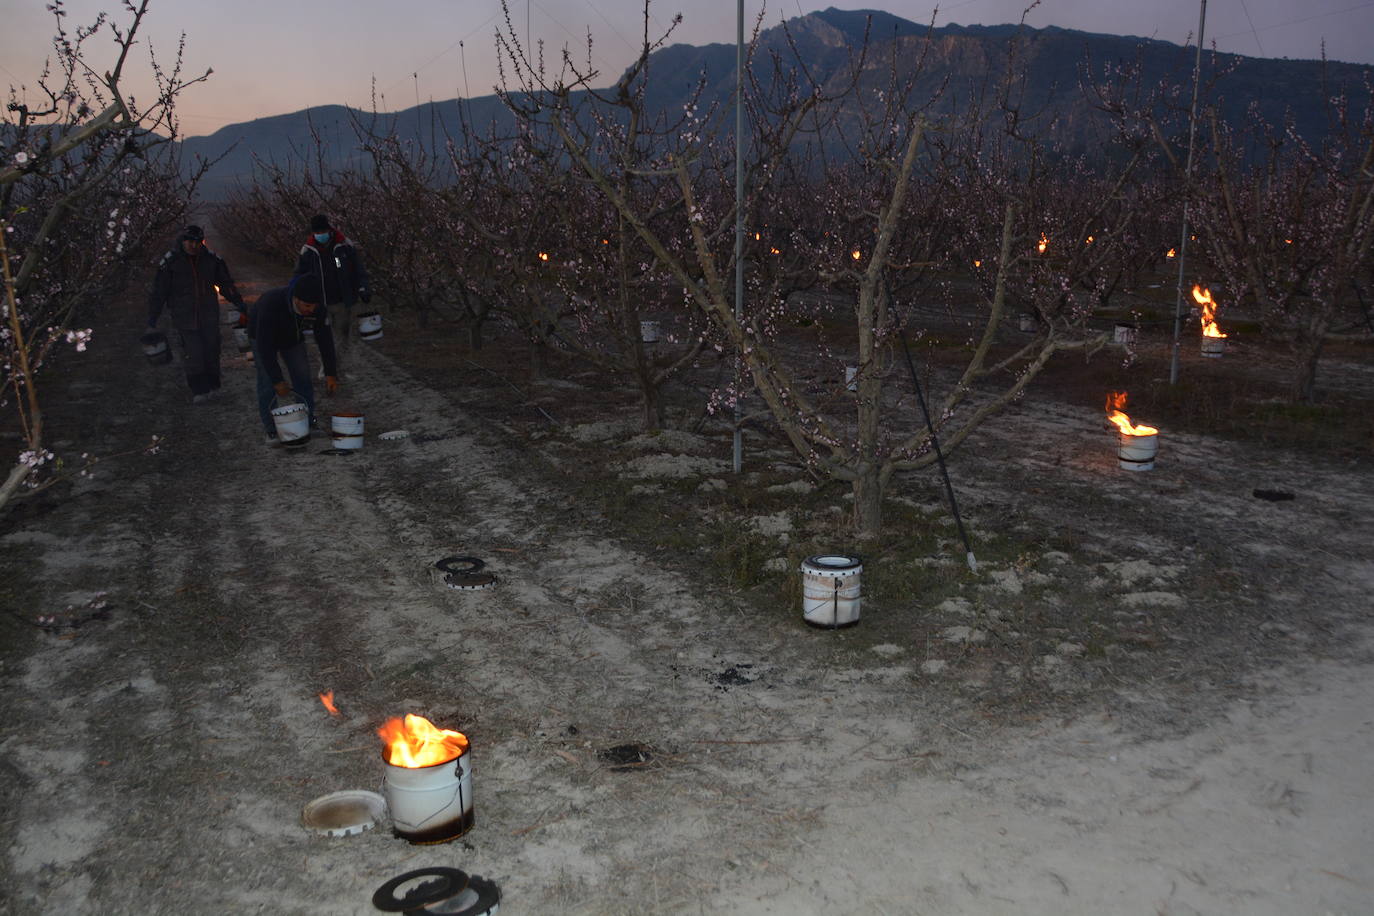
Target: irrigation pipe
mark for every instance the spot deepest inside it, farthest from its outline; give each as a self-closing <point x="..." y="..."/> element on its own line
<point x="935" y="441"/>
<point x="517" y="390"/>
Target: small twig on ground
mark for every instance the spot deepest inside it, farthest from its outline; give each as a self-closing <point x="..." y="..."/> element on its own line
<point x="955" y="730"/>
<point x="524" y="830"/>
<point x="758" y="741"/>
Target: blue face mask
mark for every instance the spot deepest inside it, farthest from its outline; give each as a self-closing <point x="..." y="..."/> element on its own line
<point x="323" y="237"/>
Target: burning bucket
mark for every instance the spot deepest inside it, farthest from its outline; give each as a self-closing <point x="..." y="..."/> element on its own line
<point x="831" y="593"/>
<point x="1138" y="442"/>
<point x="1213" y="347"/>
<point x="370" y="326"/>
<point x="155" y="348"/>
<point x="292" y="422"/>
<point x="1137" y="453"/>
<point x="428" y="782"/>
<point x="347" y="429"/>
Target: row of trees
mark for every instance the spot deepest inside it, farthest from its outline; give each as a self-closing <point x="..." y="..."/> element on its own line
<point x="864" y="201"/>
<point x="88" y="187"/>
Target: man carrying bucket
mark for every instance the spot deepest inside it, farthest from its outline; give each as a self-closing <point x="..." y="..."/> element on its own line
<point x="276" y="325"/>
<point x="332" y="257"/>
<point x="190" y="279"/>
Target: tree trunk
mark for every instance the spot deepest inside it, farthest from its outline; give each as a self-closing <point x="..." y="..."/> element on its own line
<point x="539" y="358"/>
<point x="868" y="501"/>
<point x="653" y="407"/>
<point x="1308" y="354"/>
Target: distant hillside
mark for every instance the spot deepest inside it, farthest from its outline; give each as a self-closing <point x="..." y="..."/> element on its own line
<point x="963" y="56"/>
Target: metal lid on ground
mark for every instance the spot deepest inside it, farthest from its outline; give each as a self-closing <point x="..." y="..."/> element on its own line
<point x="345" y="813"/>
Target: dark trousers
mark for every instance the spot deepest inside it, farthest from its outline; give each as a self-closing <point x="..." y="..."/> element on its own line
<point x="297" y="370"/>
<point x="200" y="347"/>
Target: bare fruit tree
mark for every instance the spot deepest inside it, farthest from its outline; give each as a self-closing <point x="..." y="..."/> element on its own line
<point x="870" y="193"/>
<point x="88" y="183"/>
<point x="1294" y="230"/>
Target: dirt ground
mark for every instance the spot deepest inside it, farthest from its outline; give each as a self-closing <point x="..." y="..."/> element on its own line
<point x="1156" y="696"/>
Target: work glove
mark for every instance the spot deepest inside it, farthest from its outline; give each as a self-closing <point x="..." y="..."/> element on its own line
<point x="364" y="295"/>
<point x="331" y="384"/>
<point x="282" y="389"/>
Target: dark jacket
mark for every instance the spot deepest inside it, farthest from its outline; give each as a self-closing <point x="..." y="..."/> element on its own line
<point x="338" y="266"/>
<point x="185" y="286"/>
<point x="274" y="326"/>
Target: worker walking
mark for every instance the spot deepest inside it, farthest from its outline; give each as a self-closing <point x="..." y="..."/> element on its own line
<point x="190" y="279"/>
<point x="332" y="257"/>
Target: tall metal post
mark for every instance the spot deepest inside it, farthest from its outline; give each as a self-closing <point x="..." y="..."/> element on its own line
<point x="739" y="226"/>
<point x="1187" y="192"/>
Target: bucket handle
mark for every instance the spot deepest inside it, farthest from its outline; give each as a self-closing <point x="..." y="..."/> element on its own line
<point x="277" y="398"/>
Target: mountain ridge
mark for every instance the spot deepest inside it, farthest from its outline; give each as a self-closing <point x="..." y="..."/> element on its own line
<point x="1276" y="88"/>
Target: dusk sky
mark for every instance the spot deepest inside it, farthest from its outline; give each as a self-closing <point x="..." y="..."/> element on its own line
<point x="277" y="57"/>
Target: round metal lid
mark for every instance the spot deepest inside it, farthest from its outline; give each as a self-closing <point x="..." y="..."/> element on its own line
<point x="394" y="434"/>
<point x="345" y="813"/>
<point x="468" y="582"/>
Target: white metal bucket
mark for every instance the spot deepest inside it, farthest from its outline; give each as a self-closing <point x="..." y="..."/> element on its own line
<point x="156" y="349"/>
<point x="1027" y="323"/>
<point x="292" y="422"/>
<point x="1213" y="347"/>
<point x="1124" y="335"/>
<point x="1137" y="453"/>
<point x="241" y="340"/>
<point x="831" y="592"/>
<point x="347" y="429"/>
<point x="430" y="804"/>
<point x="648" y="331"/>
<point x="370" y="326"/>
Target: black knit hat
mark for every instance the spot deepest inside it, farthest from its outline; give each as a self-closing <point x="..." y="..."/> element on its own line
<point x="193" y="234"/>
<point x="319" y="223"/>
<point x="307" y="288"/>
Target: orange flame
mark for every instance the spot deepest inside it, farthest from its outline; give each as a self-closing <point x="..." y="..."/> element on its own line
<point x="774" y="251"/>
<point x="1089" y="241"/>
<point x="543" y="255"/>
<point x="418" y="742"/>
<point x="978" y="262"/>
<point x="1044" y="243"/>
<point x="856" y="254"/>
<point x="1203" y="297"/>
<point x="1115" y="402"/>
<point x="327" y="698"/>
<point x="1172" y="254"/>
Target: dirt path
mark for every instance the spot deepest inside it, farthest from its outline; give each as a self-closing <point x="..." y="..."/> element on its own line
<point x="156" y="761"/>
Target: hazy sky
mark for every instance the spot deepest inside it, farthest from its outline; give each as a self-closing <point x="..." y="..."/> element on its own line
<point x="278" y="56"/>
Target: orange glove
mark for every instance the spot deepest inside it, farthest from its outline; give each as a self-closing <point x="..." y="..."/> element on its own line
<point x="331" y="384"/>
<point x="282" y="388"/>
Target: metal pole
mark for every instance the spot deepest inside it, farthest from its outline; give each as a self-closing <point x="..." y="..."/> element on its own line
<point x="1187" y="191"/>
<point x="739" y="226"/>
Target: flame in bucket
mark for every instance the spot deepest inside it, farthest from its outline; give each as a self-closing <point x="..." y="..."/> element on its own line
<point x="1203" y="297"/>
<point x="1043" y="243"/>
<point x="417" y="742"/>
<point x="1115" y="402"/>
